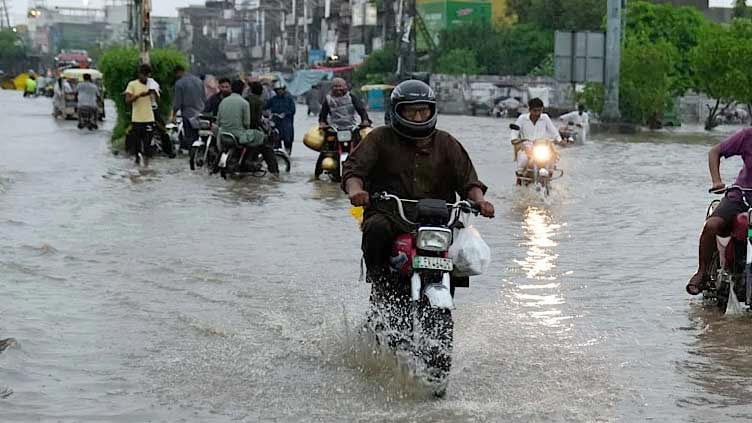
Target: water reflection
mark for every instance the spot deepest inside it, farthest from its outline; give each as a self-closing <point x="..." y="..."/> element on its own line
<point x="538" y="230"/>
<point x="541" y="290"/>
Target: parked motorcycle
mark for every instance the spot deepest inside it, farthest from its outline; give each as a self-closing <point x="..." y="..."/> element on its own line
<point x="204" y="150"/>
<point x="412" y="311"/>
<point x="731" y="267"/>
<point x="337" y="146"/>
<point x="237" y="159"/>
<point x="87" y="118"/>
<point x="541" y="164"/>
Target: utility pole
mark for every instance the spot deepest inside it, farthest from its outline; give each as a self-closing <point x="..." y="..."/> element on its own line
<point x="142" y="13"/>
<point x="4" y="15"/>
<point x="613" y="62"/>
<point x="306" y="41"/>
<point x="406" y="60"/>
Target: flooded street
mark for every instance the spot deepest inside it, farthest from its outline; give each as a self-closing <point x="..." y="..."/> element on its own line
<point x="167" y="295"/>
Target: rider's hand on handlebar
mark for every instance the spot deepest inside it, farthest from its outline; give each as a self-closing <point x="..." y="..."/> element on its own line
<point x="486" y="209"/>
<point x="359" y="198"/>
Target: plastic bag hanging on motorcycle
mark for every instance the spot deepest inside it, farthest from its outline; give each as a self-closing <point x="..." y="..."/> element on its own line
<point x="469" y="253"/>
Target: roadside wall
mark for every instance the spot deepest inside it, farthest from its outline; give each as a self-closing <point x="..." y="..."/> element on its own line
<point x="453" y="91"/>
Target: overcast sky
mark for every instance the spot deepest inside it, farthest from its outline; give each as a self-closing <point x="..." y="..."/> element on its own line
<point x="161" y="7"/>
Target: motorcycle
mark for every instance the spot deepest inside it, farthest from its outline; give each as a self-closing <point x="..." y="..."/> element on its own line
<point x="541" y="164"/>
<point x="570" y="134"/>
<point x="412" y="311"/>
<point x="87" y="118"/>
<point x="731" y="267"/>
<point x="204" y="150"/>
<point x="338" y="145"/>
<point x="237" y="159"/>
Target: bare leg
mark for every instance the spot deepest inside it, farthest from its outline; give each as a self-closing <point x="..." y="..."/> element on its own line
<point x="707" y="247"/>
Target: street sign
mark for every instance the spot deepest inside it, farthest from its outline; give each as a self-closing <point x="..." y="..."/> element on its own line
<point x="579" y="56"/>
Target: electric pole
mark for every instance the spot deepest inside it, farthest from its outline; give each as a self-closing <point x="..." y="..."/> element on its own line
<point x="406" y="60"/>
<point x="143" y="26"/>
<point x="613" y="62"/>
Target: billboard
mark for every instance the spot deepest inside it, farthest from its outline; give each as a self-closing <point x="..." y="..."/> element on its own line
<point x="442" y="14"/>
<point x="579" y="56"/>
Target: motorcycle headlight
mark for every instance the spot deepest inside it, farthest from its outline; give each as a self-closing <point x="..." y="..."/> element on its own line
<point x="434" y="239"/>
<point x="543" y="172"/>
<point x="542" y="153"/>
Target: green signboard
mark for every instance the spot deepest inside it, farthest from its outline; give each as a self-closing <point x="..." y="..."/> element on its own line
<point x="442" y="14"/>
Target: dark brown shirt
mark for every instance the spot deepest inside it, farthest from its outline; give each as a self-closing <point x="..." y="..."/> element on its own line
<point x="438" y="167"/>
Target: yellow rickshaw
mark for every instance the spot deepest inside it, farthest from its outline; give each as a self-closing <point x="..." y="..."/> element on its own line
<point x="75" y="76"/>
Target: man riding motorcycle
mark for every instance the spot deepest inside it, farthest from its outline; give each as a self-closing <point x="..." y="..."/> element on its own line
<point x="341" y="106"/>
<point x="409" y="158"/>
<point x="234" y="116"/>
<point x="720" y="222"/>
<point x="535" y="125"/>
<point x="580" y="119"/>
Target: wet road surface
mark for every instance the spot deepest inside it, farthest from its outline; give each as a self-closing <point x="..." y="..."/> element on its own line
<point x="168" y="295"/>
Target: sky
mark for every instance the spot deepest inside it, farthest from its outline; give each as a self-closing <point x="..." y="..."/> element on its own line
<point x="161" y="7"/>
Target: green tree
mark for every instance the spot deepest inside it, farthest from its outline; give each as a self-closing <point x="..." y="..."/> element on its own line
<point x="741" y="32"/>
<point x="741" y="10"/>
<point x="716" y="70"/>
<point x="379" y="67"/>
<point x="645" y="84"/>
<point x="11" y="46"/>
<point x="120" y="66"/>
<point x="458" y="62"/>
<point x="682" y="27"/>
<point x="568" y="15"/>
<point x="508" y="50"/>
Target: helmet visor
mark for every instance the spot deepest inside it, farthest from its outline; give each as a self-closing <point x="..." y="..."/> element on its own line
<point x="416" y="112"/>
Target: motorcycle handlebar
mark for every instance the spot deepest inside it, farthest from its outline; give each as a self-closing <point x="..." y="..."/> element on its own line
<point x="465" y="206"/>
<point x="729" y="188"/>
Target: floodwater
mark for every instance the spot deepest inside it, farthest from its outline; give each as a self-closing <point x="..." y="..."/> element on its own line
<point x="166" y="295"/>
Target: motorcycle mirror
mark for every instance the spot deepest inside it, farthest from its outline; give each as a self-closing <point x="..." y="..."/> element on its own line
<point x="514" y="127"/>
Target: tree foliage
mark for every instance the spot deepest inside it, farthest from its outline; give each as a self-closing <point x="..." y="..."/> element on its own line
<point x="646" y="82"/>
<point x="716" y="69"/>
<point x="681" y="27"/>
<point x="120" y="66"/>
<point x="568" y="15"/>
<point x="508" y="50"/>
<point x="379" y="67"/>
<point x="741" y="10"/>
<point x="10" y="46"/>
<point x="458" y="62"/>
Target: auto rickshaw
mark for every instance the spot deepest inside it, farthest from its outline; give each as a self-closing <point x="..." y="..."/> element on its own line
<point x="75" y="76"/>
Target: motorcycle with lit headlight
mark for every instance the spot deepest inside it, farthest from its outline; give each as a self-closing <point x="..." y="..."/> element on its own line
<point x="337" y="144"/>
<point x="412" y="311"/>
<point x="542" y="161"/>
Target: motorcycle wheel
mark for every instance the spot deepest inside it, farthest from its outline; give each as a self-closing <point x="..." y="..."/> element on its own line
<point x="196" y="157"/>
<point x="335" y="175"/>
<point x="283" y="161"/>
<point x="435" y="344"/>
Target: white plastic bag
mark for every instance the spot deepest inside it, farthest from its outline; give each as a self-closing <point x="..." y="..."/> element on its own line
<point x="469" y="253"/>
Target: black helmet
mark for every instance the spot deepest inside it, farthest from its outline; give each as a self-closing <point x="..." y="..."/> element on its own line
<point x="412" y="92"/>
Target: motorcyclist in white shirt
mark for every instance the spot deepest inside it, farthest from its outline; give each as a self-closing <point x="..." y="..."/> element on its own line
<point x="581" y="121"/>
<point x="535" y="125"/>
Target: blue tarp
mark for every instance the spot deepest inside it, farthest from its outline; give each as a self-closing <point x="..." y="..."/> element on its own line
<point x="303" y="80"/>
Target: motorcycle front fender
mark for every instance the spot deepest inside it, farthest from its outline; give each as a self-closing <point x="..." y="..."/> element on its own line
<point x="439" y="295"/>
